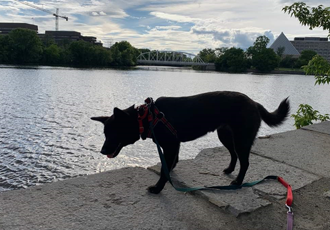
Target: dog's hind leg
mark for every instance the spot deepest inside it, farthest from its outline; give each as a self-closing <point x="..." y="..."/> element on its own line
<point x="226" y="137"/>
<point x="243" y="146"/>
<point x="171" y="152"/>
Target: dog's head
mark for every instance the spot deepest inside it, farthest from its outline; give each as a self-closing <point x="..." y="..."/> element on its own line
<point x="120" y="129"/>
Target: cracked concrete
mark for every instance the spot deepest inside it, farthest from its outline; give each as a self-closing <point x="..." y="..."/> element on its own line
<point x="206" y="170"/>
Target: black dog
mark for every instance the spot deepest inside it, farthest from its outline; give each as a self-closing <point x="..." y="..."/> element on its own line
<point x="235" y="116"/>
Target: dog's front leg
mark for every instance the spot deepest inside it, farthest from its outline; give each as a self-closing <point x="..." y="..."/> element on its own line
<point x="171" y="152"/>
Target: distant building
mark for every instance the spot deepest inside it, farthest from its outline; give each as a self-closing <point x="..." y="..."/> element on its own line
<point x="6" y="27"/>
<point x="89" y="39"/>
<point x="283" y="41"/>
<point x="71" y="36"/>
<point x="62" y="35"/>
<point x="320" y="45"/>
<point x="58" y="36"/>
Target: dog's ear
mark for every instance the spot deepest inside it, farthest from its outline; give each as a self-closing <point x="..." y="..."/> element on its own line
<point x="100" y="119"/>
<point x="118" y="113"/>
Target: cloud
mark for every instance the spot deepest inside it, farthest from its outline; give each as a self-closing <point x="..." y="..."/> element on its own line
<point x="234" y="37"/>
<point x="173" y="17"/>
<point x="101" y="13"/>
<point x="168" y="27"/>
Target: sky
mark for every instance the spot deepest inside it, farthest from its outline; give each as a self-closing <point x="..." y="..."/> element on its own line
<point x="173" y="25"/>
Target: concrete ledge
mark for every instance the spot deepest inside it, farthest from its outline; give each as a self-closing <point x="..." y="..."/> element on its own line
<point x="304" y="149"/>
<point x="323" y="127"/>
<point x="111" y="200"/>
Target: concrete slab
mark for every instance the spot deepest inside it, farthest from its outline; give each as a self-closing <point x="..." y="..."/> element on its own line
<point x="206" y="170"/>
<point x="323" y="127"/>
<point x="301" y="148"/>
<point x="111" y="200"/>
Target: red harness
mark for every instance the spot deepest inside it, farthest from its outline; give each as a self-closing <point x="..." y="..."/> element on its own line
<point x="152" y="113"/>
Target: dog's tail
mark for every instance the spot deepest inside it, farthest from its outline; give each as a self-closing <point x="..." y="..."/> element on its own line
<point x="278" y="116"/>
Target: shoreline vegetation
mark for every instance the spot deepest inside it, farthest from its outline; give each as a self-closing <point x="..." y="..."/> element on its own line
<point x="150" y="67"/>
<point x="22" y="47"/>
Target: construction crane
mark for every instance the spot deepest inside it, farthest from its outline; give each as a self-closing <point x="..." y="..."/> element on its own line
<point x="47" y="11"/>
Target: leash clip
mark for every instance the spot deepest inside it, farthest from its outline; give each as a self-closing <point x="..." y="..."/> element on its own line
<point x="149" y="100"/>
<point x="289" y="208"/>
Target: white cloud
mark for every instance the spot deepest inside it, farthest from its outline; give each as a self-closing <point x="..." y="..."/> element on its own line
<point x="173" y="17"/>
<point x="168" y="27"/>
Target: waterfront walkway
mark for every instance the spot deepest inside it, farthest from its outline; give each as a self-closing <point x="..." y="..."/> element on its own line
<point x="118" y="199"/>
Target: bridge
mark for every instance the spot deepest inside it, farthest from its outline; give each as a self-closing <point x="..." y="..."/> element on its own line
<point x="171" y="58"/>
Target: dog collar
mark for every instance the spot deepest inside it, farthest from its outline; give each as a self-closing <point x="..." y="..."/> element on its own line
<point x="143" y="112"/>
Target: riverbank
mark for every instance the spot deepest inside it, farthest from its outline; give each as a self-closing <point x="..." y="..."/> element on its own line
<point x="118" y="199"/>
<point x="151" y="67"/>
<point x="297" y="72"/>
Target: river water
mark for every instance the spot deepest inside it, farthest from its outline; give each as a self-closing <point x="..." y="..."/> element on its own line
<point x="45" y="129"/>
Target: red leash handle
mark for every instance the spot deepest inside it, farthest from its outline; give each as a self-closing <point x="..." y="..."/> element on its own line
<point x="289" y="197"/>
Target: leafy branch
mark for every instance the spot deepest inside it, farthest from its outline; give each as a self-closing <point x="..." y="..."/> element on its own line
<point x="319" y="67"/>
<point x="306" y="114"/>
<point x="310" y="16"/>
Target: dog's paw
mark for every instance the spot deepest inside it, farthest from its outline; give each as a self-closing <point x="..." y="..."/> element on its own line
<point x="228" y="170"/>
<point x="154" y="189"/>
<point x="235" y="182"/>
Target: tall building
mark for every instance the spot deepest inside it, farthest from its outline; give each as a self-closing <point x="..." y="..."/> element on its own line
<point x="6" y="27"/>
<point x="320" y="45"/>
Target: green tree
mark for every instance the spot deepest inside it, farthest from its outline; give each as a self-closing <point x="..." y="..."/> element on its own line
<point x="51" y="55"/>
<point x="266" y="60"/>
<point x="313" y="17"/>
<point x="47" y="40"/>
<point x="208" y="55"/>
<point x="320" y="68"/>
<point x="261" y="43"/>
<point x="5" y="48"/>
<point x="65" y="56"/>
<point x="262" y="58"/>
<point x="280" y="51"/>
<point x="101" y="56"/>
<point x="116" y="56"/>
<point x="26" y="46"/>
<point x="232" y="60"/>
<point x="305" y="57"/>
<point x="288" y="62"/>
<point x="87" y="54"/>
<point x="124" y="54"/>
<point x="81" y="53"/>
<point x="144" y="50"/>
<point x="306" y="115"/>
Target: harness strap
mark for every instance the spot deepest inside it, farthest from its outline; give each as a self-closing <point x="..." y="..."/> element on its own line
<point x="143" y="108"/>
<point x="161" y="117"/>
<point x="148" y="109"/>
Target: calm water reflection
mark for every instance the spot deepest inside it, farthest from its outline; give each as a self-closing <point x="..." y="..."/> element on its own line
<point x="46" y="133"/>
